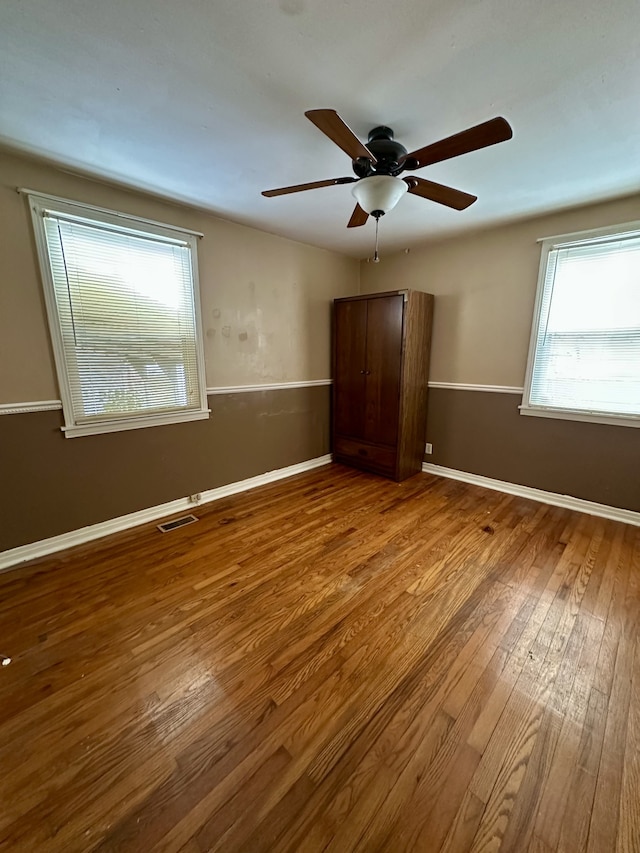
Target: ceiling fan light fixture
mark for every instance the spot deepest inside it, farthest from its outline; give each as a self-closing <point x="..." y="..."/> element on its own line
<point x="378" y="194"/>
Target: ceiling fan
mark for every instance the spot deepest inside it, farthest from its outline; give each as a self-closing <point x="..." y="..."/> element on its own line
<point x="378" y="164"/>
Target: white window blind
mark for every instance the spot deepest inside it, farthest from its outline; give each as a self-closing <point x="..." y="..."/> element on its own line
<point x="585" y="354"/>
<point x="127" y="322"/>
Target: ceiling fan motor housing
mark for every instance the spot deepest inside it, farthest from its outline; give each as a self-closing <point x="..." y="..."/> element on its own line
<point x="387" y="152"/>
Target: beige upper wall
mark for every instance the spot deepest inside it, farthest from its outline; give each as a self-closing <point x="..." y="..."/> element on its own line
<point x="485" y="285"/>
<point x="266" y="301"/>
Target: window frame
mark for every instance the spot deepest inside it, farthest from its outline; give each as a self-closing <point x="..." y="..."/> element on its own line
<point x="586" y="415"/>
<point x="38" y="204"/>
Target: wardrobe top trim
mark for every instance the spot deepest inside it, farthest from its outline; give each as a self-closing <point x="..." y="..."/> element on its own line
<point x="404" y="293"/>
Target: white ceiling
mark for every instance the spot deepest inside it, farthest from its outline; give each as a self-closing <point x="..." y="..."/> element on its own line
<point x="204" y="100"/>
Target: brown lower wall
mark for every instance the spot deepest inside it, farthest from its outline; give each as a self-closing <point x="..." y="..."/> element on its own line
<point x="484" y="433"/>
<point x="51" y="485"/>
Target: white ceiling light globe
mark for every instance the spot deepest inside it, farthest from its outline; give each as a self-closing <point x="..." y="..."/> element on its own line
<point x="379" y="193"/>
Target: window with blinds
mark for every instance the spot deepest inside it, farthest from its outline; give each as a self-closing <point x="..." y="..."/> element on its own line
<point x="584" y="359"/>
<point x="122" y="300"/>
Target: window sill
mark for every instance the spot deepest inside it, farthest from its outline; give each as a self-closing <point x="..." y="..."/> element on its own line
<point x="581" y="415"/>
<point x="75" y="431"/>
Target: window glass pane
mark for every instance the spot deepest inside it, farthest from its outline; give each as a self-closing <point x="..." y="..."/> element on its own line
<point x="588" y="340"/>
<point x="127" y="314"/>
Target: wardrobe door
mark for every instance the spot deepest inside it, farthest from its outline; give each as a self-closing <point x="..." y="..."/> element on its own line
<point x="383" y="369"/>
<point x="349" y="367"/>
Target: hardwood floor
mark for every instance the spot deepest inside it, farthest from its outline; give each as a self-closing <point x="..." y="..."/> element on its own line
<point x="332" y="663"/>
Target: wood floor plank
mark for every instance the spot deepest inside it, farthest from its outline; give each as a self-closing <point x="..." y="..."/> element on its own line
<point x="605" y="818"/>
<point x="629" y="815"/>
<point x="465" y="824"/>
<point x="332" y="663"/>
<point x="574" y="823"/>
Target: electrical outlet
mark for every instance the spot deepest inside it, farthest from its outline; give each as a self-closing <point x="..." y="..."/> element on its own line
<point x="428" y="448"/>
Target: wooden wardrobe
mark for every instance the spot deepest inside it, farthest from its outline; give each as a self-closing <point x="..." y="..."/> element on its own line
<point x="381" y="348"/>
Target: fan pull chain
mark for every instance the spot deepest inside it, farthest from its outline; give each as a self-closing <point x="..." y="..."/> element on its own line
<point x="376" y="259"/>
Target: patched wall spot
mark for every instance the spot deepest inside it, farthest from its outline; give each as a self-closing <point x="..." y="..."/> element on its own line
<point x="292" y="7"/>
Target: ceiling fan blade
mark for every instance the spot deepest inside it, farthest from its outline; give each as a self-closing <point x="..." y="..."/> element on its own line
<point x="439" y="193"/>
<point x="330" y="123"/>
<point x="481" y="136"/>
<point x="298" y="188"/>
<point x="358" y="217"/>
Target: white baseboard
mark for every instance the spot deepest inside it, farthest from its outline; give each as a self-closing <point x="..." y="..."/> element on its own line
<point x="627" y="516"/>
<point x="96" y="531"/>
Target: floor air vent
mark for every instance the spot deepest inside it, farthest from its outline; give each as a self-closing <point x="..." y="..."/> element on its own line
<point x="177" y="522"/>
